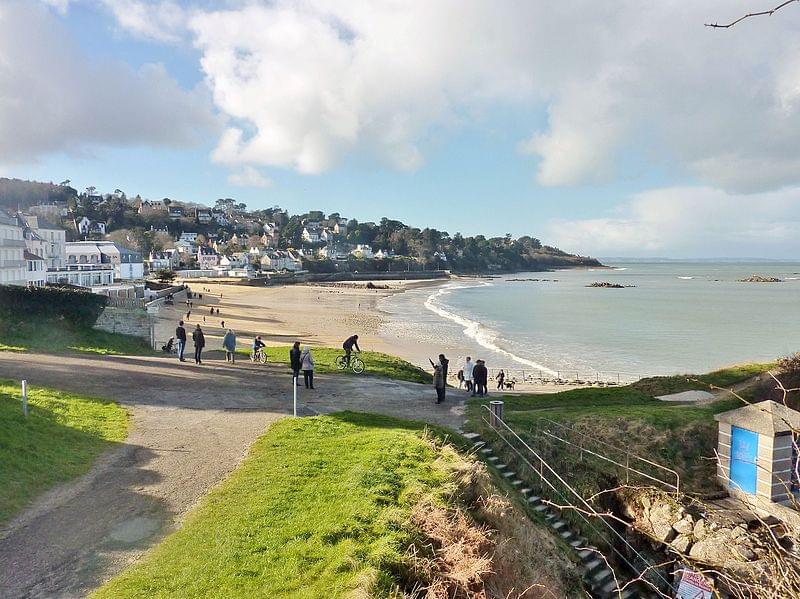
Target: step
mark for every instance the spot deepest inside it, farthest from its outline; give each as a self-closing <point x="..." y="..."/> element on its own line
<point x="508" y="474"/>
<point x="500" y="466"/>
<point x="558" y="525"/>
<point x="478" y="444"/>
<point x="526" y="491"/>
<point x="541" y="508"/>
<point x="630" y="593"/>
<point x="593" y="563"/>
<point x="567" y="535"/>
<point x="610" y="588"/>
<point x="586" y="554"/>
<point x="493" y="460"/>
<point x="516" y="483"/>
<point x="471" y="436"/>
<point x="534" y="499"/>
<point x="579" y="542"/>
<point x="550" y="517"/>
<point x="602" y="576"/>
<point x="487" y="451"/>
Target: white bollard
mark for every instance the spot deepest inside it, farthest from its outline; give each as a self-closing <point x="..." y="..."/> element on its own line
<point x="294" y="386"/>
<point x="25" y="398"/>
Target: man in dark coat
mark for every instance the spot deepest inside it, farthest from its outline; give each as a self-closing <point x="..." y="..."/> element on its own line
<point x="180" y="335"/>
<point x="199" y="343"/>
<point x="480" y="374"/>
<point x="294" y="359"/>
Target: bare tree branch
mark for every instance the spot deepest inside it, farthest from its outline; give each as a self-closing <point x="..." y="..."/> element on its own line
<point x="752" y="14"/>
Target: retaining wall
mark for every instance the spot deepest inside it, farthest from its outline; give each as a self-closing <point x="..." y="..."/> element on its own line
<point x="126" y="320"/>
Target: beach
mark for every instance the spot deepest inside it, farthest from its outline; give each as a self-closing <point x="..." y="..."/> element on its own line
<point x="313" y="314"/>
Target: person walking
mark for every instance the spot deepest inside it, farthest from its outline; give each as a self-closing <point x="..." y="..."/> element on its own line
<point x="501" y="379"/>
<point x="480" y="377"/>
<point x="294" y="359"/>
<point x="460" y="377"/>
<point x="199" y="343"/>
<point x="229" y="343"/>
<point x="180" y="335"/>
<point x="468" y="366"/>
<point x="438" y="382"/>
<point x="307" y="364"/>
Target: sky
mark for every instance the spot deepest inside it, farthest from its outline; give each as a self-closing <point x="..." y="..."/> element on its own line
<point x="605" y="128"/>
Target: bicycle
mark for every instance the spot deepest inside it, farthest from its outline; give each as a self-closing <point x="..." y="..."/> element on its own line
<point x="258" y="356"/>
<point x="356" y="364"/>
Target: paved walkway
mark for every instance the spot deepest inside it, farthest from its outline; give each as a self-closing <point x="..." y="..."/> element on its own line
<point x="190" y="426"/>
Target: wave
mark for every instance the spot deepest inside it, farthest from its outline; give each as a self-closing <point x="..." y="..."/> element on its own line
<point x="792" y="278"/>
<point x="475" y="330"/>
<point x="686" y="278"/>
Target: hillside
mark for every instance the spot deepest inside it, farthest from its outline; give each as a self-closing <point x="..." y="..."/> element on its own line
<point x="16" y="193"/>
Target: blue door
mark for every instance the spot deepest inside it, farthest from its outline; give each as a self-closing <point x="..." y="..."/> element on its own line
<point x="744" y="451"/>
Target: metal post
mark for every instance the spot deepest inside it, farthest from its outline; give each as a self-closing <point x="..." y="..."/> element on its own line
<point x="294" y="388"/>
<point x="25" y="398"/>
<point x="496" y="408"/>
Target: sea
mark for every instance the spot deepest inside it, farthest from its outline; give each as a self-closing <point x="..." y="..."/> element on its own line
<point x="671" y="317"/>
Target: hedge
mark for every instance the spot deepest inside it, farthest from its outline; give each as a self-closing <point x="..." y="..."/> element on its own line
<point x="80" y="308"/>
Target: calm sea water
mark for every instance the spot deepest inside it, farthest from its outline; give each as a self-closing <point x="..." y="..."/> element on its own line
<point x="679" y="317"/>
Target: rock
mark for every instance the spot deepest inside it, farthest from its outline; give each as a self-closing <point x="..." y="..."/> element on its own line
<point x="681" y="543"/>
<point x="684" y="526"/>
<point x="760" y="279"/>
<point x="607" y="285"/>
<point x="700" y="530"/>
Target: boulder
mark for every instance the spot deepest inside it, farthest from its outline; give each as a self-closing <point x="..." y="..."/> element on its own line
<point x="684" y="526"/>
<point x="681" y="543"/>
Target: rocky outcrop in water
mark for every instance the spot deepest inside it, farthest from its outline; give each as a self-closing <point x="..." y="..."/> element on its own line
<point x="607" y="285"/>
<point x="760" y="279"/>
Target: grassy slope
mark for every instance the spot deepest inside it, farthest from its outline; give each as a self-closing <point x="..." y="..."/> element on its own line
<point x="678" y="436"/>
<point x="376" y="363"/>
<point x="316" y="510"/>
<point x="61" y="337"/>
<point x="59" y="440"/>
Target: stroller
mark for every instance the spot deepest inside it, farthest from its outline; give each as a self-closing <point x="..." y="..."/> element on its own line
<point x="169" y="346"/>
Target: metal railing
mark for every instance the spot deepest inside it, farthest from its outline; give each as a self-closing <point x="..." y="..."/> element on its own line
<point x="582" y="507"/>
<point x="586" y="442"/>
<point x="561" y="377"/>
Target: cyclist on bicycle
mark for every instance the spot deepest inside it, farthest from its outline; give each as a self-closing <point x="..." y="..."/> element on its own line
<point x="258" y="344"/>
<point x="348" y="347"/>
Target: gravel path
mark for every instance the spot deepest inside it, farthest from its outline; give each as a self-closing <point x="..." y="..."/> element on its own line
<point x="190" y="427"/>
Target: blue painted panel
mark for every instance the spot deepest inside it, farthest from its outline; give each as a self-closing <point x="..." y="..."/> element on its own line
<point x="744" y="452"/>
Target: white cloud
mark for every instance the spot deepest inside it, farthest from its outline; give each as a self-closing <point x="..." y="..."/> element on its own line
<point x="306" y="83"/>
<point x="157" y="20"/>
<point x="60" y="5"/>
<point x="53" y="98"/>
<point x="249" y="177"/>
<point x="688" y="222"/>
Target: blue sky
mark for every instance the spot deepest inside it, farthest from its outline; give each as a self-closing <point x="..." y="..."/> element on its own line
<point x="622" y="132"/>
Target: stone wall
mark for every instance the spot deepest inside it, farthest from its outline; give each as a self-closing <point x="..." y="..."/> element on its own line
<point x="125" y="320"/>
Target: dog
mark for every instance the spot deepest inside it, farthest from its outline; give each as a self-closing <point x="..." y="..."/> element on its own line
<point x="510" y="384"/>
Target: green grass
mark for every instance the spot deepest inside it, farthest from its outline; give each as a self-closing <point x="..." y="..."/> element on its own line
<point x="316" y="510"/>
<point x="58" y="337"/>
<point x="726" y="377"/>
<point x="59" y="440"/>
<point x="376" y="363"/>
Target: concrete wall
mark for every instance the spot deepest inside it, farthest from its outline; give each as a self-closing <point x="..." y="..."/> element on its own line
<point x="125" y="320"/>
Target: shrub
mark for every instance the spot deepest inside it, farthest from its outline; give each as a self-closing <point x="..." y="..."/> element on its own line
<point x="79" y="308"/>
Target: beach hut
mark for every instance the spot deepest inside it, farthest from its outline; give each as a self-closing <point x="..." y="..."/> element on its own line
<point x="757" y="448"/>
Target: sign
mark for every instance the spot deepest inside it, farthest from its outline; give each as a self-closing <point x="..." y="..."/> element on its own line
<point x="693" y="586"/>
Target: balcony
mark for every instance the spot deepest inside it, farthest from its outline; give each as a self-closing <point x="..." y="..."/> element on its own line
<point x="12" y="243"/>
<point x="85" y="267"/>
<point x="13" y="264"/>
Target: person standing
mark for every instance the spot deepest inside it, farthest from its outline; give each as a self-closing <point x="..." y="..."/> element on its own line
<point x="307" y="364"/>
<point x="199" y="343"/>
<point x="229" y="343"/>
<point x="501" y="379"/>
<point x="294" y="359"/>
<point x="468" y="366"/>
<point x="443" y="364"/>
<point x="180" y="335"/>
<point x="438" y="382"/>
<point x="480" y="377"/>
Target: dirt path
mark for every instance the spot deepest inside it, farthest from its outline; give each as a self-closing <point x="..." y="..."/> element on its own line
<point x="190" y="426"/>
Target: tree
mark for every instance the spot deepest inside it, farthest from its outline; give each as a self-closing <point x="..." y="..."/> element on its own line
<point x="165" y="275"/>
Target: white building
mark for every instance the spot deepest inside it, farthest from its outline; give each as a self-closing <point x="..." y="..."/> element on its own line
<point x="203" y="215"/>
<point x="44" y="239"/>
<point x="166" y="260"/>
<point x="13" y="267"/>
<point x="362" y="251"/>
<point x="281" y="260"/>
<point x="127" y="264"/>
<point x="85" y="226"/>
<point x="36" y="271"/>
<point x="188" y="236"/>
<point x="311" y="233"/>
<point x="185" y="247"/>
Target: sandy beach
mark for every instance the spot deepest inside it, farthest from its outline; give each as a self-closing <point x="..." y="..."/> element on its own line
<point x="314" y="314"/>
